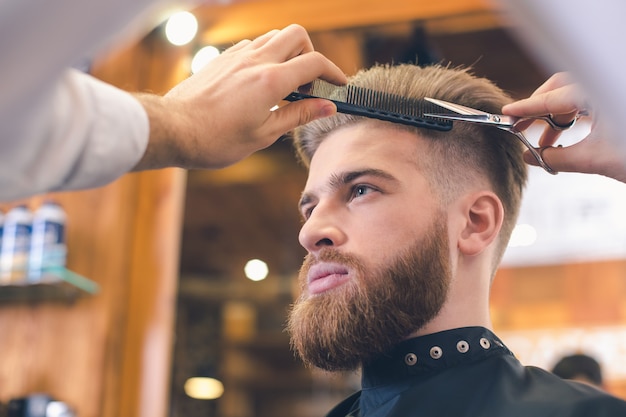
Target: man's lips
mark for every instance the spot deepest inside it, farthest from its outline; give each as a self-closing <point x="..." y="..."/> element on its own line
<point x="325" y="276"/>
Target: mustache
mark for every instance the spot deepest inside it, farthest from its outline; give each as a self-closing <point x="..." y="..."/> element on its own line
<point x="330" y="255"/>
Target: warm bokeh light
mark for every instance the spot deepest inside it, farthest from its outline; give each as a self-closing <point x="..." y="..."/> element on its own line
<point x="204" y="388"/>
<point x="181" y="28"/>
<point x="203" y="57"/>
<point x="256" y="270"/>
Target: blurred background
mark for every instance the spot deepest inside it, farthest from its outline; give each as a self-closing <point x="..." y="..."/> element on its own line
<point x="196" y="269"/>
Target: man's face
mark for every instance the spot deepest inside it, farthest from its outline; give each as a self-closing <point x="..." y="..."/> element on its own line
<point x="378" y="266"/>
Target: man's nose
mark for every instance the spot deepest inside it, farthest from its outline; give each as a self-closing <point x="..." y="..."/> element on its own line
<point x="322" y="229"/>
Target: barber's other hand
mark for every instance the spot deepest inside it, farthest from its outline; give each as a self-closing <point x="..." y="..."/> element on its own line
<point x="563" y="99"/>
<point x="221" y="114"/>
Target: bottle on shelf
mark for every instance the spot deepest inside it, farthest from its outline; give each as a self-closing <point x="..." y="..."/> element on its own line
<point x="48" y="250"/>
<point x="15" y="245"/>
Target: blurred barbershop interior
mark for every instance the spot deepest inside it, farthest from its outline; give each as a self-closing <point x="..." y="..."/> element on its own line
<point x="178" y="282"/>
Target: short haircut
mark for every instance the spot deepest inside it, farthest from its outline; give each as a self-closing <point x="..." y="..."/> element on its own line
<point x="462" y="156"/>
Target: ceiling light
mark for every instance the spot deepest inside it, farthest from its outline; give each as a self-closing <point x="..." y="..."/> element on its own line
<point x="181" y="28"/>
<point x="204" y="388"/>
<point x="203" y="57"/>
<point x="256" y="270"/>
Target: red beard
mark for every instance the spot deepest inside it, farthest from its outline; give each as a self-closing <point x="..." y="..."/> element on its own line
<point x="347" y="326"/>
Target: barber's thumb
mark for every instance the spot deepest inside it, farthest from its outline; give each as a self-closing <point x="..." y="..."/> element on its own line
<point x="313" y="109"/>
<point x="304" y="111"/>
<point x="298" y="113"/>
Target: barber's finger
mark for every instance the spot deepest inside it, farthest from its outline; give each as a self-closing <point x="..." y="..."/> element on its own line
<point x="289" y="43"/>
<point x="561" y="159"/>
<point x="549" y="137"/>
<point x="558" y="80"/>
<point x="263" y="39"/>
<point x="253" y="44"/>
<point x="238" y="46"/>
<point x="295" y="114"/>
<point x="562" y="101"/>
<point x="305" y="68"/>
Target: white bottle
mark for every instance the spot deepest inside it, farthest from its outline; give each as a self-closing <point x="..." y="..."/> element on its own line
<point x="15" y="245"/>
<point x="48" y="250"/>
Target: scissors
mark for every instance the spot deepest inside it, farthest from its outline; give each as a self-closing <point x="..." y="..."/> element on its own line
<point x="501" y="121"/>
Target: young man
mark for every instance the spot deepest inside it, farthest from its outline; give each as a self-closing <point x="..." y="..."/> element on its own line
<point x="404" y="230"/>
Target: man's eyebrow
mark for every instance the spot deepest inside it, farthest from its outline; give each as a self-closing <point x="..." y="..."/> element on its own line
<point x="305" y="199"/>
<point x="350" y="176"/>
<point x="339" y="180"/>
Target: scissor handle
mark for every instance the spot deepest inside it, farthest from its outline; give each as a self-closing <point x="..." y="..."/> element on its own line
<point x="535" y="153"/>
<point x="549" y="119"/>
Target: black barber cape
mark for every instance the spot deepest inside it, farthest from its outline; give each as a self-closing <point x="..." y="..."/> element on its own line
<point x="468" y="372"/>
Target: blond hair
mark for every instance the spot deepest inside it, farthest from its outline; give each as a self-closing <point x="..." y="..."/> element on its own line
<point x="455" y="158"/>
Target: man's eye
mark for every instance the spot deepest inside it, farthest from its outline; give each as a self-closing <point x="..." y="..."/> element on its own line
<point x="360" y="190"/>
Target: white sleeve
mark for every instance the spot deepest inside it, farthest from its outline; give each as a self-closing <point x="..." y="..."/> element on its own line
<point x="61" y="129"/>
<point x="81" y="133"/>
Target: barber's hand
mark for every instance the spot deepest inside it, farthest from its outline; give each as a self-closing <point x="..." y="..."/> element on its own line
<point x="563" y="99"/>
<point x="221" y="114"/>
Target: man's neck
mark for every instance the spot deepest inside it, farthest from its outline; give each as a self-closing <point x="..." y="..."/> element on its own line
<point x="458" y="312"/>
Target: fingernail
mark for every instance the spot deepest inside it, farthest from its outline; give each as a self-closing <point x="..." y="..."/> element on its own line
<point x="327" y="110"/>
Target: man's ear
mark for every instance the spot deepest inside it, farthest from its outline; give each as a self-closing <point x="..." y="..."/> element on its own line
<point x="484" y="214"/>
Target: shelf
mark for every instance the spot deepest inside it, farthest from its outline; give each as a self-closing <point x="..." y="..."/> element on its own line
<point x="55" y="284"/>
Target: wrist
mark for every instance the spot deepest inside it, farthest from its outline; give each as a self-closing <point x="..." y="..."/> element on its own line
<point x="160" y="152"/>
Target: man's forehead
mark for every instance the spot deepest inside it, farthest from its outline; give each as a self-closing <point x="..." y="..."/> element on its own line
<point x="367" y="154"/>
<point x="364" y="144"/>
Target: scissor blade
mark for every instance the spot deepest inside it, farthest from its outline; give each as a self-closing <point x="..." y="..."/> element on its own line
<point x="457" y="108"/>
<point x="472" y="118"/>
<point x="468" y="114"/>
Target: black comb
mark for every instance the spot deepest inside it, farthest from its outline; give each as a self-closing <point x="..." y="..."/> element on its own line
<point x="360" y="101"/>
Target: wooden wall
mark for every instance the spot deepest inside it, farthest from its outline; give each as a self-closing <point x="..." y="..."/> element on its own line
<point x="585" y="296"/>
<point x="109" y="354"/>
